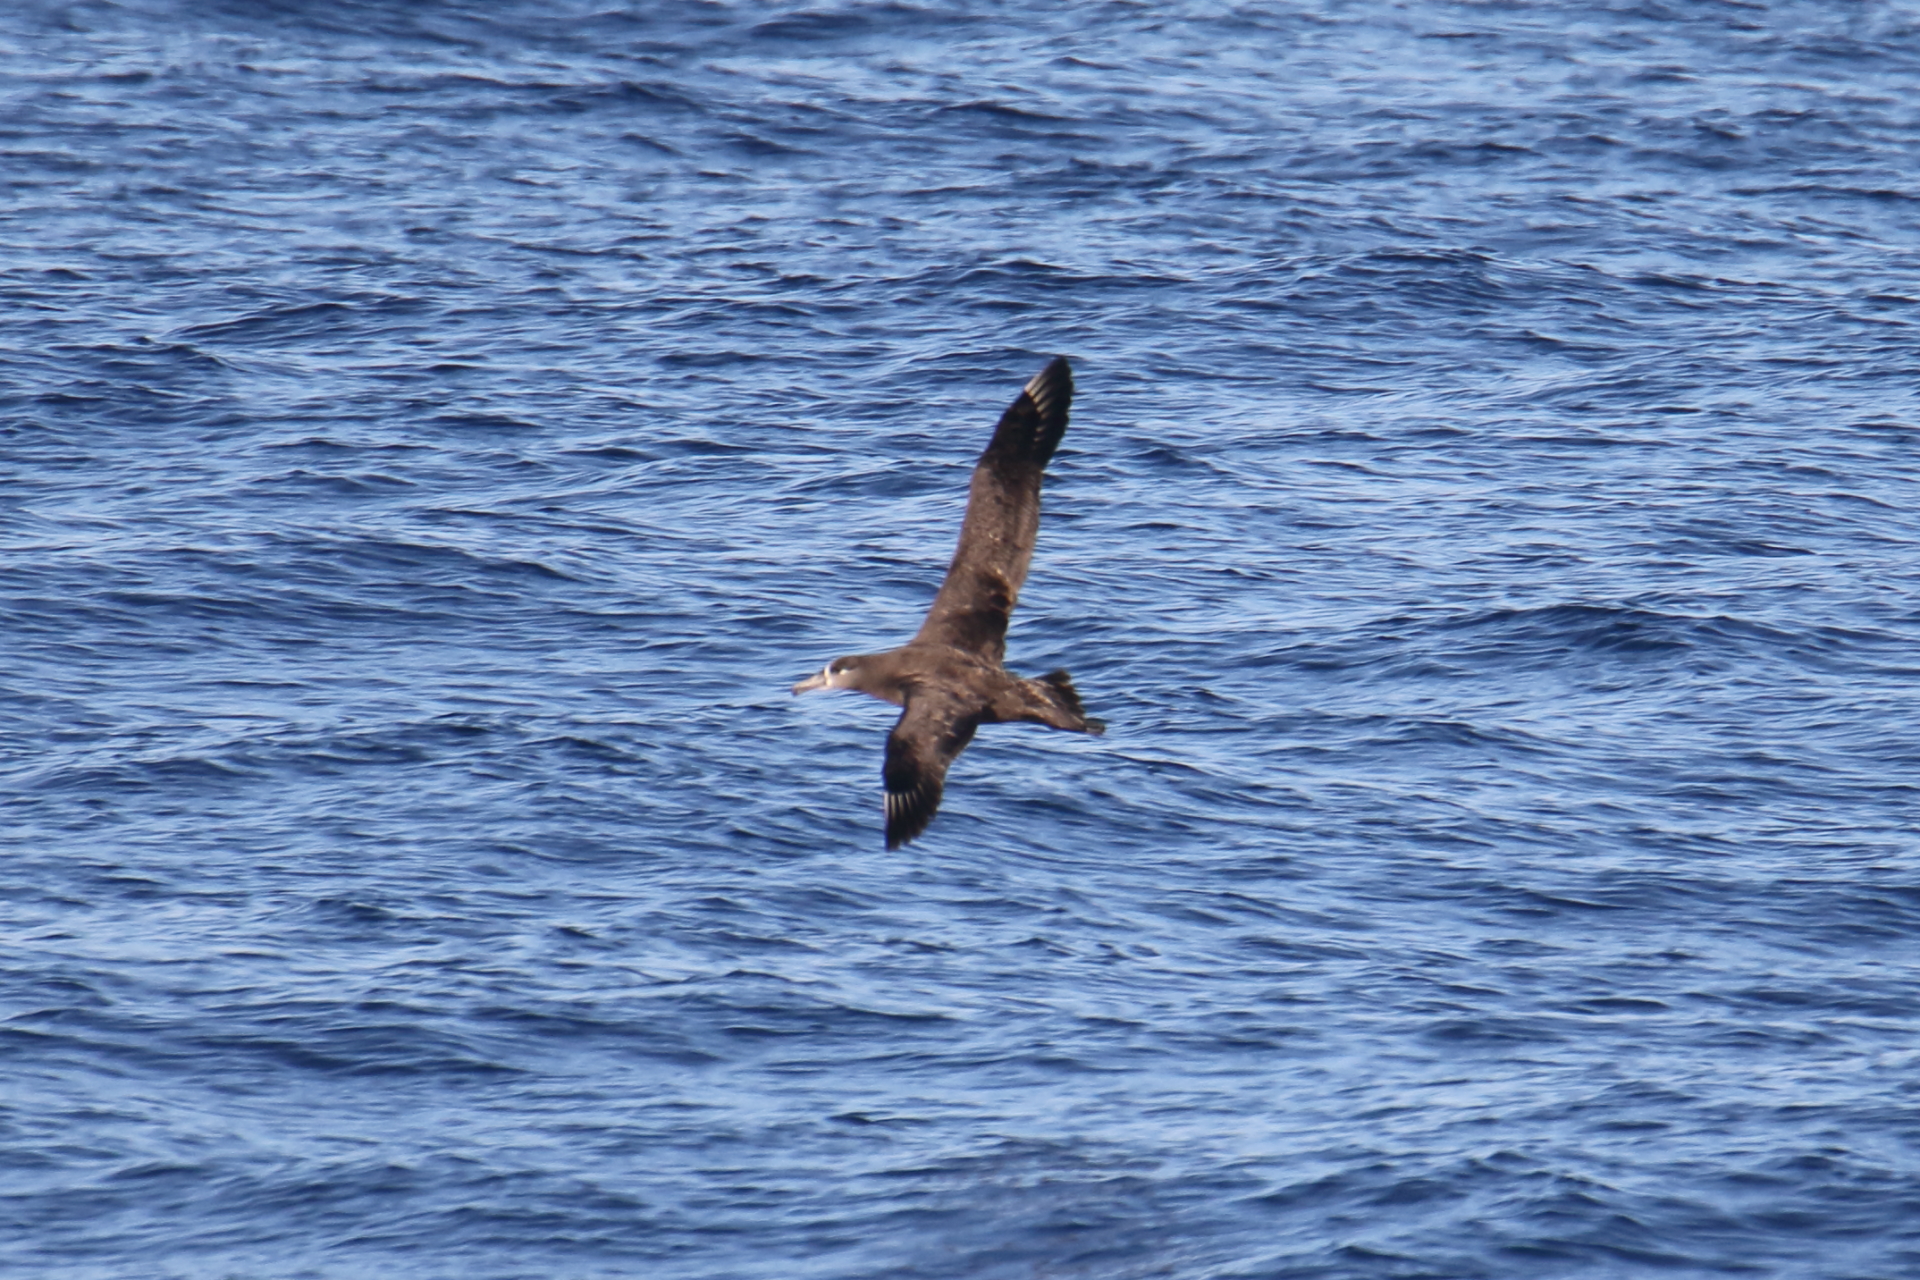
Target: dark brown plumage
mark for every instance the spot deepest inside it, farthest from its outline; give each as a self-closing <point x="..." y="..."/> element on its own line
<point x="949" y="679"/>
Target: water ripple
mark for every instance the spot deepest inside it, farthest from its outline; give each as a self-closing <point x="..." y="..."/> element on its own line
<point x="436" y="437"/>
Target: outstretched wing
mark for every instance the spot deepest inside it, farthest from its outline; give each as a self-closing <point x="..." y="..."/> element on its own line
<point x="934" y="728"/>
<point x="1002" y="521"/>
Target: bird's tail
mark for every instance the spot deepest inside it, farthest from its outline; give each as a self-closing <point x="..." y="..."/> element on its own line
<point x="1060" y="688"/>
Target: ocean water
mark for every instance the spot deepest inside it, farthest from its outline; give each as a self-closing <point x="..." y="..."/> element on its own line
<point x="433" y="437"/>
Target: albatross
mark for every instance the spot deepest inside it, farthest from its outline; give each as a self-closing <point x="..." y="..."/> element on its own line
<point x="950" y="678"/>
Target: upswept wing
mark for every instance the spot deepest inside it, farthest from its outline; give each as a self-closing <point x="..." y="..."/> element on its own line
<point x="1002" y="521"/>
<point x="934" y="729"/>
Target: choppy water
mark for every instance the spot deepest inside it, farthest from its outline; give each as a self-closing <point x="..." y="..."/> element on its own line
<point x="435" y="435"/>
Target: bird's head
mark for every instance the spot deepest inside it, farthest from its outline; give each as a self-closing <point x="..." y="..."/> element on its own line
<point x="841" y="673"/>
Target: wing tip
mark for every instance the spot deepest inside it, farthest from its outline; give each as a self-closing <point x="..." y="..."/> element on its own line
<point x="908" y="815"/>
<point x="1031" y="428"/>
<point x="1051" y="389"/>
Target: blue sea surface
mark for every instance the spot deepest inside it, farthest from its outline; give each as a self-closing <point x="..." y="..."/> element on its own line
<point x="434" y="436"/>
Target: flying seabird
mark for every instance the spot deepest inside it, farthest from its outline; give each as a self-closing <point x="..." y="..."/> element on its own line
<point x="949" y="678"/>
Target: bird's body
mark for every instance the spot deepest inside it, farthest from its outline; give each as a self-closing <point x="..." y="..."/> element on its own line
<point x="950" y="678"/>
